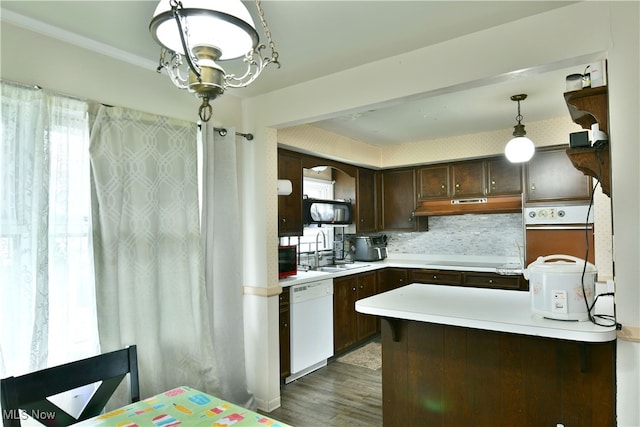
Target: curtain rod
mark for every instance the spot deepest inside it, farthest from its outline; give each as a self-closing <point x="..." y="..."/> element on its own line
<point x="223" y="132"/>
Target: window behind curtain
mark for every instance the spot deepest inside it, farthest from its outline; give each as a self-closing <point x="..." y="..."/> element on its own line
<point x="47" y="292"/>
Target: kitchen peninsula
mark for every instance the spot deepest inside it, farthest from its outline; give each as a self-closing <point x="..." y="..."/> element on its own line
<point x="470" y="356"/>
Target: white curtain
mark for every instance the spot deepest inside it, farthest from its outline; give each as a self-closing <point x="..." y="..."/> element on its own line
<point x="221" y="246"/>
<point x="149" y="275"/>
<point x="47" y="299"/>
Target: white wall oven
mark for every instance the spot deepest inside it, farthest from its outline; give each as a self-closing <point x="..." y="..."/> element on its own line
<point x="554" y="230"/>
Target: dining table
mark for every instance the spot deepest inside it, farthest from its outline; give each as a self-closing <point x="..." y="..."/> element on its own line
<point x="184" y="406"/>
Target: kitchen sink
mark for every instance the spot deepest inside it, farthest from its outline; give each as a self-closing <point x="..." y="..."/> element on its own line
<point x="339" y="267"/>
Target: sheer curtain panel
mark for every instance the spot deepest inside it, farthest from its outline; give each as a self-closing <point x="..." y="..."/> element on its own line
<point x="221" y="246"/>
<point x="149" y="276"/>
<point x="47" y="299"/>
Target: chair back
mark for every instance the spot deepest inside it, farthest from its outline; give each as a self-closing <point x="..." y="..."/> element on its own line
<point x="29" y="392"/>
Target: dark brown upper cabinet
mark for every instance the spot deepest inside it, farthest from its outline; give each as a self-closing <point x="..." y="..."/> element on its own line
<point x="290" y="207"/>
<point x="551" y="177"/>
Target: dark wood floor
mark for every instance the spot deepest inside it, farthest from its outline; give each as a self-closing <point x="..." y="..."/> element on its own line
<point x="336" y="395"/>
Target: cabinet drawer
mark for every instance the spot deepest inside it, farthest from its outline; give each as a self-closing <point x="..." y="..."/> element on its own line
<point x="488" y="280"/>
<point x="436" y="277"/>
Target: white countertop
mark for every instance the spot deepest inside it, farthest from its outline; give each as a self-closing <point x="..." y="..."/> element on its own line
<point x="488" y="309"/>
<point x="489" y="264"/>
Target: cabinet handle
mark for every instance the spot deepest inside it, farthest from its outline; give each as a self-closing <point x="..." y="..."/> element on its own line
<point x="457" y="185"/>
<point x="283" y="220"/>
<point x="491" y="281"/>
<point x="493" y="182"/>
<point x="435" y="277"/>
<point x="442" y="186"/>
<point x="533" y="187"/>
<point x="361" y="287"/>
<point x="353" y="289"/>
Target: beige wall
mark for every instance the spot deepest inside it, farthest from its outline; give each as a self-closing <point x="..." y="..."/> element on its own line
<point x="307" y="138"/>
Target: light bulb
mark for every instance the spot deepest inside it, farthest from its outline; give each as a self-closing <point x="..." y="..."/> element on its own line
<point x="520" y="149"/>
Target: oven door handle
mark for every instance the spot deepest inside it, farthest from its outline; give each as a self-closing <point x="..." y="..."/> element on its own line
<point x="560" y="227"/>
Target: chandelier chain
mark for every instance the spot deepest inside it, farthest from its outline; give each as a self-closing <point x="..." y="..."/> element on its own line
<point x="183" y="30"/>
<point x="519" y="116"/>
<point x="272" y="46"/>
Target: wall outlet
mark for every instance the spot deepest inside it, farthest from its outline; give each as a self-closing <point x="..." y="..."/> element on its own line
<point x="611" y="286"/>
<point x="559" y="302"/>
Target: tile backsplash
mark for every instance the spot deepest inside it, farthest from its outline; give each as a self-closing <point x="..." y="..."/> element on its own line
<point x="472" y="234"/>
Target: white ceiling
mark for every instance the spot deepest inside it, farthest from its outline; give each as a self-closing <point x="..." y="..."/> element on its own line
<point x="316" y="38"/>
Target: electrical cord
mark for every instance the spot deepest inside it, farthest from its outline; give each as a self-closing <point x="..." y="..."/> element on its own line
<point x="596" y="319"/>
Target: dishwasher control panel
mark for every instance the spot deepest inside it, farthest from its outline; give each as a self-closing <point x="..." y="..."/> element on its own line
<point x="311" y="290"/>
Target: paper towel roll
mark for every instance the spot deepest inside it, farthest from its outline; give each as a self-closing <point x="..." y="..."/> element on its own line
<point x="284" y="187"/>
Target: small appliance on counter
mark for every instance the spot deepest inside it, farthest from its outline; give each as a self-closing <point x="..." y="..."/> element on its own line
<point x="370" y="248"/>
<point x="557" y="289"/>
<point x="287" y="261"/>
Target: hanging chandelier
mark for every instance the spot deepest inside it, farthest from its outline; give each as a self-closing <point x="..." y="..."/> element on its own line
<point x="520" y="148"/>
<point x="203" y="33"/>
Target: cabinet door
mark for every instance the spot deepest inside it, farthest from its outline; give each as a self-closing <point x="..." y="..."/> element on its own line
<point x="290" y="207"/>
<point x="398" y="199"/>
<point x="503" y="177"/>
<point x="367" y="324"/>
<point x="366" y="201"/>
<point x="433" y="182"/>
<point x="391" y="278"/>
<point x="284" y="331"/>
<point x="467" y="179"/>
<point x="345" y="328"/>
<point x="550" y="176"/>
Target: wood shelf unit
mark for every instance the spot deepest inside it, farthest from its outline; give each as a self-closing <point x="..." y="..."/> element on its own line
<point x="586" y="107"/>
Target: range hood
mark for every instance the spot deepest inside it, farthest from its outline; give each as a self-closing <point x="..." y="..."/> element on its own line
<point x="479" y="205"/>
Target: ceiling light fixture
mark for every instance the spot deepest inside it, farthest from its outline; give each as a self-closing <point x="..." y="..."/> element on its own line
<point x="204" y="32"/>
<point x="520" y="148"/>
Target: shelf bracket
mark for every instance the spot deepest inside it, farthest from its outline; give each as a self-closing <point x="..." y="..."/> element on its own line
<point x="394" y="325"/>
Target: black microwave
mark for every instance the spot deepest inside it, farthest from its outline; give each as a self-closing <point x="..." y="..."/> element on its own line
<point x="318" y="211"/>
<point x="287" y="261"/>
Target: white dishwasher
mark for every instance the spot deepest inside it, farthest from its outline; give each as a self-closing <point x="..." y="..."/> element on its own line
<point x="311" y="310"/>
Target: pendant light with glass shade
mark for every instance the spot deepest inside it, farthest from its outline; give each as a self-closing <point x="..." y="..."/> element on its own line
<point x="205" y="32"/>
<point x="520" y="149"/>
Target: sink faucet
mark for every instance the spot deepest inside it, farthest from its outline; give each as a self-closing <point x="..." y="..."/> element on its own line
<point x="324" y="243"/>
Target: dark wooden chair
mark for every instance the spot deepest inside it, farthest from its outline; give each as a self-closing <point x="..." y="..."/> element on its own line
<point x="29" y="392"/>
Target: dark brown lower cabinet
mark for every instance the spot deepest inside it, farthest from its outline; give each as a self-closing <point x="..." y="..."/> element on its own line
<point x="469" y="278"/>
<point x="391" y="278"/>
<point x="285" y="333"/>
<point x="439" y="375"/>
<point x="349" y="326"/>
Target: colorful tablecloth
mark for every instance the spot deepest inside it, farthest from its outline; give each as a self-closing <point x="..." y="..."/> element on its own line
<point x="183" y="406"/>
